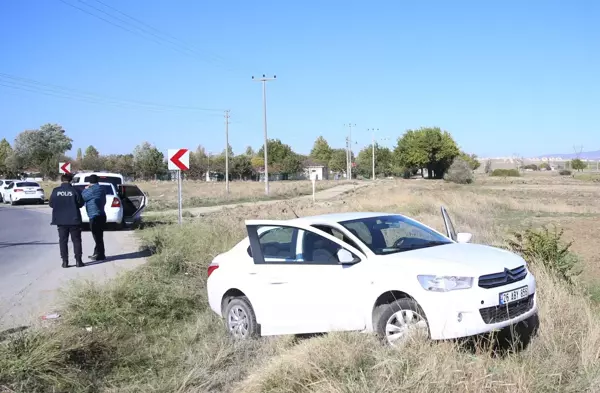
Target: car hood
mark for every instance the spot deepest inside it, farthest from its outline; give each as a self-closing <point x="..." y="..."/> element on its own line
<point x="455" y="259"/>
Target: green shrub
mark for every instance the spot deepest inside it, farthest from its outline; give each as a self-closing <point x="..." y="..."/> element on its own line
<point x="546" y="247"/>
<point x="506" y="173"/>
<point x="565" y="172"/>
<point x="533" y="167"/>
<point x="460" y="172"/>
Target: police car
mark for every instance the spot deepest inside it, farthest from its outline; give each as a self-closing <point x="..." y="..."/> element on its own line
<point x="124" y="203"/>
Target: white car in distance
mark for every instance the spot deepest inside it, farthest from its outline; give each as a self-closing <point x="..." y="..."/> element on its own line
<point x="23" y="192"/>
<point x="124" y="203"/>
<point x="370" y="272"/>
<point x="4" y="183"/>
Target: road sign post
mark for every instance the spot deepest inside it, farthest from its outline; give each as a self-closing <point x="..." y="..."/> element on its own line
<point x="179" y="160"/>
<point x="64" y="168"/>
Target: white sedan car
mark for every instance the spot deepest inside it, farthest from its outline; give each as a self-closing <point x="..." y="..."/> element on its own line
<point x="370" y="272"/>
<point x="23" y="192"/>
<point x="124" y="203"/>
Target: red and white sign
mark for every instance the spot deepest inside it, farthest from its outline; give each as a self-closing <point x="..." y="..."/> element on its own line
<point x="64" y="168"/>
<point x="179" y="159"/>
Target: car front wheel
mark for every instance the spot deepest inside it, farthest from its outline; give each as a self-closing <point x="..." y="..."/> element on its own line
<point x="400" y="320"/>
<point x="240" y="319"/>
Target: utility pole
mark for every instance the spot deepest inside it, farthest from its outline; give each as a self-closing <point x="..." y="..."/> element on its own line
<point x="349" y="151"/>
<point x="264" y="81"/>
<point x="373" y="152"/>
<point x="227" y="152"/>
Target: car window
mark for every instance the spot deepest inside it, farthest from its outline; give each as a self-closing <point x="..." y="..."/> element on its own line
<point x="317" y="249"/>
<point x="338" y="234"/>
<point x="108" y="190"/>
<point x="28" y="184"/>
<point x="278" y="243"/>
<point x="392" y="234"/>
<point x="129" y="190"/>
<point x="106" y="179"/>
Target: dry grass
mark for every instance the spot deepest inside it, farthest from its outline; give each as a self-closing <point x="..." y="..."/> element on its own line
<point x="162" y="337"/>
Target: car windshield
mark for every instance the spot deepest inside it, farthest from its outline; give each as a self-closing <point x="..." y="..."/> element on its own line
<point x="392" y="234"/>
<point x="106" y="179"/>
<point x="107" y="188"/>
<point x="27" y="184"/>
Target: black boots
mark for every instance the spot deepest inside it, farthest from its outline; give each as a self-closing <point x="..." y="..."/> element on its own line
<point x="97" y="258"/>
<point x="65" y="263"/>
<point x="79" y="262"/>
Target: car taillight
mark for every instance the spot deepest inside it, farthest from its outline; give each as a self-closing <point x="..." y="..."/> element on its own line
<point x="18" y="190"/>
<point x="211" y="268"/>
<point x="40" y="189"/>
<point x="116" y="203"/>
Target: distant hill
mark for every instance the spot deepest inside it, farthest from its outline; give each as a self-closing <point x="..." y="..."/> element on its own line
<point x="589" y="155"/>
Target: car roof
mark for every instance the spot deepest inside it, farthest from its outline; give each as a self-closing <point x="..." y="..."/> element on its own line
<point x="339" y="217"/>
<point x="98" y="173"/>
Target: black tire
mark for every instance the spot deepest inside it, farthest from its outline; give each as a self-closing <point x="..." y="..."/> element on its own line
<point x="12" y="203"/>
<point x="384" y="312"/>
<point x="249" y="324"/>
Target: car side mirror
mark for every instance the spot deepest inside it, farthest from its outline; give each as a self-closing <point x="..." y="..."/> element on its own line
<point x="345" y="256"/>
<point x="463" y="237"/>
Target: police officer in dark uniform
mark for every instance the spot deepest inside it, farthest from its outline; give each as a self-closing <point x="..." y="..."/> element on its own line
<point x="65" y="202"/>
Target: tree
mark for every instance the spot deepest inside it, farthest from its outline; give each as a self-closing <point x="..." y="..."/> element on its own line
<point x="383" y="161"/>
<point x="79" y="155"/>
<point x="429" y="148"/>
<point x="149" y="162"/>
<point x="249" y="152"/>
<point x="337" y="162"/>
<point x="277" y="151"/>
<point x="578" y="164"/>
<point x="291" y="165"/>
<point x="241" y="166"/>
<point x="470" y="159"/>
<point x="258" y="163"/>
<point x="41" y="148"/>
<point x="5" y="152"/>
<point x="460" y="171"/>
<point x="321" y="151"/>
<point x="92" y="159"/>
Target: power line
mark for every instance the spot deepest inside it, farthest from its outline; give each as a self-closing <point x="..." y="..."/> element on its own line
<point x="146" y="31"/>
<point x="31" y="85"/>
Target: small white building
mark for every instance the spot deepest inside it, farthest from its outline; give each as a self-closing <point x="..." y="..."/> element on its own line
<point x="317" y="172"/>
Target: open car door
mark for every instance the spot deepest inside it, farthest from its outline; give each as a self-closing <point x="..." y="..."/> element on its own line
<point x="134" y="201"/>
<point x="461" y="237"/>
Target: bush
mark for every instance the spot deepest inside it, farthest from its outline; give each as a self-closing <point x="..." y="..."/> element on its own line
<point x="460" y="172"/>
<point x="488" y="166"/>
<point x="546" y="247"/>
<point x="565" y="172"/>
<point x="506" y="173"/>
<point x="533" y="167"/>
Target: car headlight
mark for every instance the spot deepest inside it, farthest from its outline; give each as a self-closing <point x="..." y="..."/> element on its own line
<point x="444" y="283"/>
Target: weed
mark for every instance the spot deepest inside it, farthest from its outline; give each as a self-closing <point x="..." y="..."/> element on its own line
<point x="546" y="247"/>
<point x="505" y="173"/>
<point x="459" y="172"/>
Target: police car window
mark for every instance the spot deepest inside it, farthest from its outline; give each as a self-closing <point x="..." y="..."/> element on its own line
<point x="108" y="190"/>
<point x="106" y="179"/>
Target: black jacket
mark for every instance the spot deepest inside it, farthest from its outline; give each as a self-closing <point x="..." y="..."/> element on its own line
<point x="65" y="202"/>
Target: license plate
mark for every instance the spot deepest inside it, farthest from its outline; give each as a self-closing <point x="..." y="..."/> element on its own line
<point x="29" y="192"/>
<point x="514" y="295"/>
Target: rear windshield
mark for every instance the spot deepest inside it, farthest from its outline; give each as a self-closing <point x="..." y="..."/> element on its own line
<point x="106" y="179"/>
<point x="108" y="190"/>
<point x="27" y="184"/>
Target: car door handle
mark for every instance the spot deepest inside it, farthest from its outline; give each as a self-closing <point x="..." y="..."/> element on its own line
<point x="277" y="282"/>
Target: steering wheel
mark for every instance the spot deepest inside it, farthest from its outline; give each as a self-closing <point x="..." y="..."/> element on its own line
<point x="398" y="243"/>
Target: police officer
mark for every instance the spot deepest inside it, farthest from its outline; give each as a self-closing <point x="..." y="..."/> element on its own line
<point x="65" y="202"/>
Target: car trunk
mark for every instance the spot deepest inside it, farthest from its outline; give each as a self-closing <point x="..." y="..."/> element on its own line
<point x="28" y="189"/>
<point x="134" y="201"/>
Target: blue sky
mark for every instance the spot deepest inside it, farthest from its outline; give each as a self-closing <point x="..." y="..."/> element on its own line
<point x="503" y="77"/>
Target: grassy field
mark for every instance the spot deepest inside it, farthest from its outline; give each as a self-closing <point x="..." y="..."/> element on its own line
<point x="152" y="330"/>
<point x="163" y="194"/>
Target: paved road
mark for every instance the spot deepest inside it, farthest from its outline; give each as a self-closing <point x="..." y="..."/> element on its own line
<point x="30" y="271"/>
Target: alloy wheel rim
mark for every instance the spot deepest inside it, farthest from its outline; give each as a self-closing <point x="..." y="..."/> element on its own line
<point x="404" y="324"/>
<point x="237" y="322"/>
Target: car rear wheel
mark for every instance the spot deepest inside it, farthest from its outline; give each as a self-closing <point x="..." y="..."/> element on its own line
<point x="12" y="203"/>
<point x="400" y="320"/>
<point x="240" y="319"/>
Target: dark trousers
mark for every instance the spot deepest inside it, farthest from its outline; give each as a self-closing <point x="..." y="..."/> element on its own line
<point x="63" y="240"/>
<point x="97" y="226"/>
